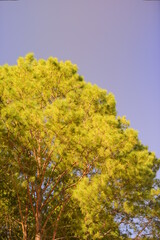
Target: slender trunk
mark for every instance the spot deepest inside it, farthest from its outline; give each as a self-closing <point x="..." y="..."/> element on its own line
<point x="24" y="229"/>
<point x="24" y="225"/>
<point x="54" y="235"/>
<point x="38" y="236"/>
<point x="38" y="215"/>
<point x="38" y="226"/>
<point x="58" y="218"/>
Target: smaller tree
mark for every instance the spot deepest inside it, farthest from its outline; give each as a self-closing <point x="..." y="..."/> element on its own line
<point x="116" y="201"/>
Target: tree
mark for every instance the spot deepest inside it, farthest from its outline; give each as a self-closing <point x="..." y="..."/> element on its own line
<point x="118" y="200"/>
<point x="61" y="139"/>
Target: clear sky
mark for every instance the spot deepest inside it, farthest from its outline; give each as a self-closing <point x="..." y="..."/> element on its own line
<point x="115" y="43"/>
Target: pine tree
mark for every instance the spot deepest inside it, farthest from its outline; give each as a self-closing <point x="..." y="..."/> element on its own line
<point x="74" y="168"/>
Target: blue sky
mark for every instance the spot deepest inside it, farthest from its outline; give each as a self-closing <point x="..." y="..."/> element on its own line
<point x="116" y="45"/>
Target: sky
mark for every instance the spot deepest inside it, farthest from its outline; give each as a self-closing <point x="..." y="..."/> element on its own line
<point x="115" y="44"/>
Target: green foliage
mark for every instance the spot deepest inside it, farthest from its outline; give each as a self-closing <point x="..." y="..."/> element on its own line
<point x="70" y="166"/>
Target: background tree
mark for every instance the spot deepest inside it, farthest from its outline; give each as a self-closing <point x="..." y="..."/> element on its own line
<point x="117" y="200"/>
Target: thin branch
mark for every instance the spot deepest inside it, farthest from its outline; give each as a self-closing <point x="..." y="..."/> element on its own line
<point x="52" y="189"/>
<point x="145" y="226"/>
<point x="58" y="180"/>
<point x="30" y="199"/>
<point x="59" y="216"/>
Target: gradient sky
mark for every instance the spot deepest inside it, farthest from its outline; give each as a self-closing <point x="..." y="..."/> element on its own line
<point x="115" y="43"/>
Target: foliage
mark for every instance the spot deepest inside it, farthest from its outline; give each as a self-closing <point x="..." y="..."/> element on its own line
<point x="71" y="168"/>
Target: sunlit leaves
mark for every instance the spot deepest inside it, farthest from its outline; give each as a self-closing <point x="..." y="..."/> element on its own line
<point x="68" y="158"/>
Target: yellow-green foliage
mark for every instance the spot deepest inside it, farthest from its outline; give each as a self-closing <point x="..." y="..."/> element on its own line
<point x="69" y="158"/>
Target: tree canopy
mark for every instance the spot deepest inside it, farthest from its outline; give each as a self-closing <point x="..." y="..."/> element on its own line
<point x="70" y="167"/>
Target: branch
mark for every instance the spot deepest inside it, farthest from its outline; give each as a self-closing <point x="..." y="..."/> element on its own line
<point x="59" y="216"/>
<point x="30" y="199"/>
<point x="52" y="189"/>
<point x="49" y="181"/>
<point x="146" y="225"/>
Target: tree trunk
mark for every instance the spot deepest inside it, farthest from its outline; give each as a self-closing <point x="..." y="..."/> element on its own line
<point x="38" y="219"/>
<point x="24" y="229"/>
<point x="38" y="228"/>
<point x="38" y="214"/>
<point x="54" y="235"/>
<point x="38" y="236"/>
<point x="39" y="197"/>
